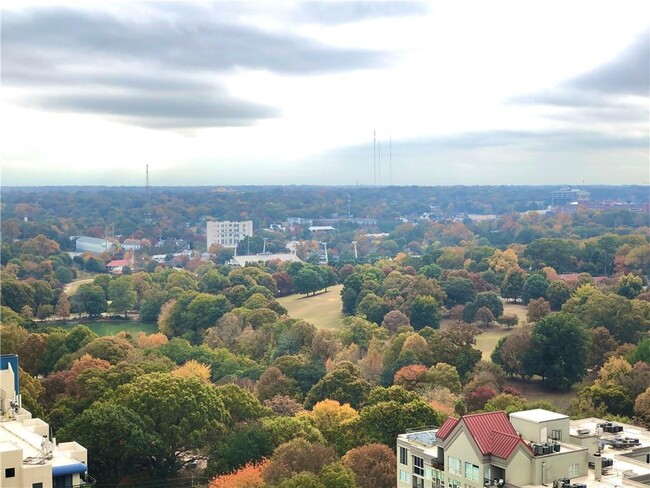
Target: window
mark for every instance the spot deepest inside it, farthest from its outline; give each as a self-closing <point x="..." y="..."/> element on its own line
<point x="10" y="472"/>
<point x="418" y="466"/>
<point x="37" y="485"/>
<point x="471" y="471"/>
<point x="454" y="466"/>
<point x="487" y="473"/>
<point x="403" y="456"/>
<point x="404" y="477"/>
<point x="574" y="470"/>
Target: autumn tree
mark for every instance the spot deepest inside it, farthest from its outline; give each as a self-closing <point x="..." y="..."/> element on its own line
<point x="248" y="476"/>
<point x="297" y="456"/>
<point x="537" y="309"/>
<point x="373" y="465"/>
<point x="642" y="408"/>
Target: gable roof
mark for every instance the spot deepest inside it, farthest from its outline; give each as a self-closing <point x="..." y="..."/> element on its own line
<point x="504" y="444"/>
<point x="481" y="426"/>
<point x="492" y="431"/>
<point x="117" y="263"/>
<point x="446" y="428"/>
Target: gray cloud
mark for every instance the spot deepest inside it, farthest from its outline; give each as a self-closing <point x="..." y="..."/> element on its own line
<point x="603" y="94"/>
<point x="159" y="111"/>
<point x="105" y="63"/>
<point x="628" y="74"/>
<point x="346" y="12"/>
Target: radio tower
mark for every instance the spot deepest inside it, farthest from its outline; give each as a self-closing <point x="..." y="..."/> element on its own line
<point x="147" y="214"/>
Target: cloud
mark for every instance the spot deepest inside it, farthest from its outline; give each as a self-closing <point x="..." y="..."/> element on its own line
<point x="156" y="70"/>
<point x="607" y="93"/>
<point x="351" y="11"/>
<point x="497" y="157"/>
<point x="628" y="74"/>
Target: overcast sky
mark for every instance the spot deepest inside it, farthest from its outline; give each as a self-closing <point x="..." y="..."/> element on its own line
<point x="227" y="93"/>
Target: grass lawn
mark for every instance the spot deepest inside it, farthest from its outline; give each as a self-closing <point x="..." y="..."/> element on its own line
<point x="71" y="288"/>
<point x="111" y="327"/>
<point x="323" y="310"/>
<point x="487" y="340"/>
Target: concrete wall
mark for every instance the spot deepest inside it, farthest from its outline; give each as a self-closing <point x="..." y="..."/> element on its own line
<point x="540" y="431"/>
<point x="557" y="466"/>
<point x="519" y="469"/>
<point x="464" y="448"/>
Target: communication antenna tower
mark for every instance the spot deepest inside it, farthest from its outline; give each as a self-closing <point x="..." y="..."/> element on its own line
<point x="374" y="157"/>
<point x="147" y="213"/>
<point x="390" y="159"/>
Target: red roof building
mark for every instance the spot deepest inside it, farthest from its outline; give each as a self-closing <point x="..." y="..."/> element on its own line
<point x="492" y="449"/>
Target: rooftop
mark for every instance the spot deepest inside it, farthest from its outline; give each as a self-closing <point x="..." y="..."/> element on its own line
<point x="538" y="415"/>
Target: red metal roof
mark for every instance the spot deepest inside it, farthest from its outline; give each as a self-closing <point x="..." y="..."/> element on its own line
<point x="446" y="428"/>
<point x="504" y="444"/>
<point x="482" y="425"/>
<point x="117" y="263"/>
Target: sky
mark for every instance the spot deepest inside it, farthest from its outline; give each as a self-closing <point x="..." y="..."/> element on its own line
<point x="325" y="93"/>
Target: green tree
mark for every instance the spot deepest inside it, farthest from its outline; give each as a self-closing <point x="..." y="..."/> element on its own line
<point x="534" y="287"/>
<point x="89" y="299"/>
<point x="559" y="349"/>
<point x="459" y="291"/>
<point x="337" y="476"/>
<point x="424" y="312"/>
<point x="373" y="308"/>
<point x="183" y="413"/>
<point x="17" y="295"/>
<point x="308" y="280"/>
<point x="490" y="300"/>
<point x="116" y="438"/>
<point x="513" y="284"/>
<point x="384" y="421"/>
<point x="557" y="293"/>
<point x="343" y="384"/>
<point x="629" y="286"/>
<point x="122" y="294"/>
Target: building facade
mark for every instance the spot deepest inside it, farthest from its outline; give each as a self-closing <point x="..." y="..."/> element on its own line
<point x="29" y="458"/>
<point x="93" y="244"/>
<point x="227" y="233"/>
<point x="534" y="448"/>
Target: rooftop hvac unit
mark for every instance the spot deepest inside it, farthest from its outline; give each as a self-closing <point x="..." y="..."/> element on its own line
<point x="583" y="431"/>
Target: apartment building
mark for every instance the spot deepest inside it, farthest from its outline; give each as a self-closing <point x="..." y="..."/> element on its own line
<point x="29" y="458"/>
<point x="534" y="448"/>
<point x="227" y="233"/>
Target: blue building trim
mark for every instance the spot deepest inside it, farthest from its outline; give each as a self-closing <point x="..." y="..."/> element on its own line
<point x="69" y="469"/>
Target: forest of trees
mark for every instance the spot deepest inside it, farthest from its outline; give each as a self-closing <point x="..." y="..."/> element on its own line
<point x="233" y="386"/>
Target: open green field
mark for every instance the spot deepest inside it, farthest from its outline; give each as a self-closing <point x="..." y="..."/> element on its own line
<point x="71" y="288"/>
<point x="487" y="340"/>
<point x="111" y="327"/>
<point x="323" y="309"/>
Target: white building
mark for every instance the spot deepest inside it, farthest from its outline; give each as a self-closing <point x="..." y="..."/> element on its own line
<point x="227" y="233"/>
<point x="28" y="458"/>
<point x="531" y="449"/>
<point x="263" y="258"/>
<point x="93" y="244"/>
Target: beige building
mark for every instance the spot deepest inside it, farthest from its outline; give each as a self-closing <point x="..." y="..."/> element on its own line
<point x="534" y="448"/>
<point x="227" y="233"/>
<point x="28" y="457"/>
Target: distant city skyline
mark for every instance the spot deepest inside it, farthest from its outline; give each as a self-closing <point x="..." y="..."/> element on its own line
<point x="252" y="93"/>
